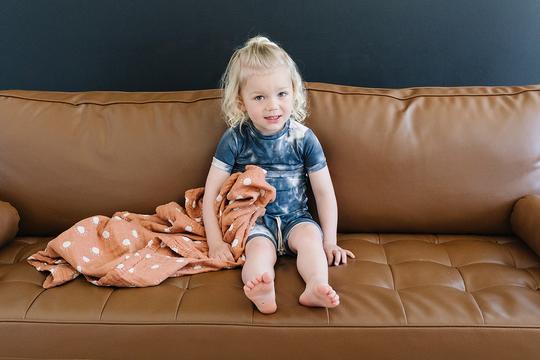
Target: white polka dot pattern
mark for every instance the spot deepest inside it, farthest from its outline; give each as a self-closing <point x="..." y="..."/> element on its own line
<point x="122" y="244"/>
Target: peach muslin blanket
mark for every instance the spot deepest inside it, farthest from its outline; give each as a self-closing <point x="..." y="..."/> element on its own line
<point x="133" y="250"/>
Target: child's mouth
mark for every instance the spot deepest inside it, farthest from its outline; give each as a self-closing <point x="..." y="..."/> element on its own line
<point x="272" y="118"/>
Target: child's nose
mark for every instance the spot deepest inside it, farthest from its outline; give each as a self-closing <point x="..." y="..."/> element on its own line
<point x="271" y="104"/>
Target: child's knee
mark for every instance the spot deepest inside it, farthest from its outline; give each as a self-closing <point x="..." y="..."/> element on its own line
<point x="304" y="235"/>
<point x="260" y="244"/>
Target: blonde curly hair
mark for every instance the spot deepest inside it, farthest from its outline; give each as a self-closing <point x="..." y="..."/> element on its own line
<point x="258" y="54"/>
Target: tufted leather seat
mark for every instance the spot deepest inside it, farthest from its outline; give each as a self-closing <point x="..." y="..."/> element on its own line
<point x="450" y="281"/>
<point x="413" y="279"/>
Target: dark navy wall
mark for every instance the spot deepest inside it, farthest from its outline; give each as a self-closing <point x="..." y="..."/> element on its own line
<point x="161" y="45"/>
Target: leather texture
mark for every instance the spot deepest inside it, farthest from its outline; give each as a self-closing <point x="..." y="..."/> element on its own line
<point x="67" y="156"/>
<point x="395" y="280"/>
<point x="475" y="288"/>
<point x="435" y="160"/>
<point x="426" y="181"/>
<point x="432" y="160"/>
<point x="526" y="221"/>
<point x="9" y="222"/>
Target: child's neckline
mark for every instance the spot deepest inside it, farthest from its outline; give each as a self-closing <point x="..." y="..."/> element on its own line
<point x="260" y="135"/>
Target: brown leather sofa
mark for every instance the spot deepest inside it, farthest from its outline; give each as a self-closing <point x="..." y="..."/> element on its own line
<point x="438" y="195"/>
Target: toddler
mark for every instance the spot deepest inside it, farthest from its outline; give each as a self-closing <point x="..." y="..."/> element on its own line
<point x="264" y="103"/>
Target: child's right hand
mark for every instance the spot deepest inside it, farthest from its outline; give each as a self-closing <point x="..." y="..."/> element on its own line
<point x="221" y="251"/>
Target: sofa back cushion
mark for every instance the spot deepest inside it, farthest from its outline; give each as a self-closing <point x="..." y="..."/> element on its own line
<point x="444" y="160"/>
<point x="67" y="156"/>
<point x="450" y="160"/>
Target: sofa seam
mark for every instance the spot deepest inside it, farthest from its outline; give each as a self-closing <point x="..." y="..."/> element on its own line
<point x="472" y="295"/>
<point x="439" y="243"/>
<point x="182" y="297"/>
<point x="511" y="255"/>
<point x="534" y="278"/>
<point x="517" y="285"/>
<point x="394" y="285"/>
<point x="327" y="316"/>
<point x="420" y="96"/>
<point x="107" y="323"/>
<point x="105" y="304"/>
<point x="111" y="103"/>
<point x="455" y="267"/>
<point x="21" y="249"/>
<point x="33" y="301"/>
<point x="479" y="308"/>
<point x="179" y="304"/>
<point x="2" y="281"/>
<point x="308" y="88"/>
<point x="464" y="283"/>
<point x="515" y="266"/>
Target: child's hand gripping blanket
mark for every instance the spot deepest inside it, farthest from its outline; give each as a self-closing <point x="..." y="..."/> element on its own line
<point x="132" y="250"/>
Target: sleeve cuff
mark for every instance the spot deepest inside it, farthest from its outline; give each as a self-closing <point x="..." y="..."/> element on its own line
<point x="316" y="167"/>
<point x="221" y="165"/>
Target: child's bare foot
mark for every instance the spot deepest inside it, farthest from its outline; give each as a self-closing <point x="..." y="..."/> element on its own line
<point x="321" y="295"/>
<point x="261" y="291"/>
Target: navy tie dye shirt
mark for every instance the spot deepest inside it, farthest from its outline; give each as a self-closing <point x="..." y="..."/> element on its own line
<point x="287" y="156"/>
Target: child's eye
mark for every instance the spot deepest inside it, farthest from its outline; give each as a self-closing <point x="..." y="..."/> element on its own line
<point x="283" y="93"/>
<point x="258" y="97"/>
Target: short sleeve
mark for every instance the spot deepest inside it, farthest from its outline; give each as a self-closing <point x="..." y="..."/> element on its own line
<point x="226" y="151"/>
<point x="314" y="158"/>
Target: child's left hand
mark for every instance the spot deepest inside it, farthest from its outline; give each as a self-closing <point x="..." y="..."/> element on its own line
<point x="336" y="255"/>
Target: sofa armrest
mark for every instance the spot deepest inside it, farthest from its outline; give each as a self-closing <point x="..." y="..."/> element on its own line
<point x="9" y="222"/>
<point x="525" y="220"/>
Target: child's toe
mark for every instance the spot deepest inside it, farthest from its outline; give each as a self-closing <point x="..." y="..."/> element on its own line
<point x="266" y="278"/>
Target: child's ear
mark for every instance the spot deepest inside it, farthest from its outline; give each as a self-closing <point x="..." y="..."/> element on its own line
<point x="241" y="105"/>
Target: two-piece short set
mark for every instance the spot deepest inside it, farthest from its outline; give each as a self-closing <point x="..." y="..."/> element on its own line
<point x="287" y="156"/>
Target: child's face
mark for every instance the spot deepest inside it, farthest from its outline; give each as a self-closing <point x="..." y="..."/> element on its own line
<point x="268" y="99"/>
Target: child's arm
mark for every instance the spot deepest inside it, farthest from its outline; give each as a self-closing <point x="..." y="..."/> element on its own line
<point x="322" y="187"/>
<point x="217" y="248"/>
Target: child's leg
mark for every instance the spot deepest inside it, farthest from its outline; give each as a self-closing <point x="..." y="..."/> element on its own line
<point x="305" y="239"/>
<point x="258" y="274"/>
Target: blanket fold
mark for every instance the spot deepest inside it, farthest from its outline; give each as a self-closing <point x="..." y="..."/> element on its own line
<point x="137" y="250"/>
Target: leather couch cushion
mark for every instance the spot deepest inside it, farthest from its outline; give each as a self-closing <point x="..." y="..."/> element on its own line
<point x="437" y="160"/>
<point x="67" y="156"/>
<point x="421" y="160"/>
<point x="395" y="280"/>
